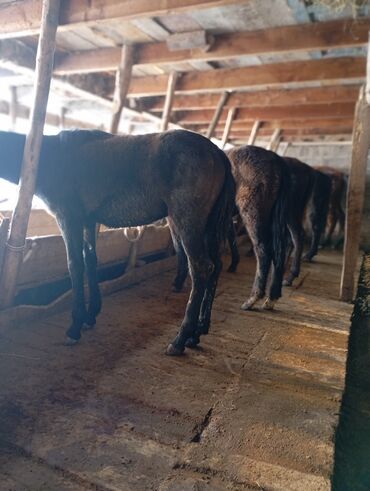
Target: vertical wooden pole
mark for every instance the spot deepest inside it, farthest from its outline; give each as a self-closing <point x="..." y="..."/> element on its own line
<point x="253" y="136"/>
<point x="227" y="129"/>
<point x="62" y="118"/>
<point x="171" y="87"/>
<point x="217" y="114"/>
<point x="123" y="79"/>
<point x="18" y="229"/>
<point x="355" y="195"/>
<point x="13" y="108"/>
<point x="274" y="140"/>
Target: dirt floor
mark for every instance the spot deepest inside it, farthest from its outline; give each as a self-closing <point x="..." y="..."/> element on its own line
<point x="255" y="408"/>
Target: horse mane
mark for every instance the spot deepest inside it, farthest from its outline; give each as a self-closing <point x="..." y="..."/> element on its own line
<point x="79" y="137"/>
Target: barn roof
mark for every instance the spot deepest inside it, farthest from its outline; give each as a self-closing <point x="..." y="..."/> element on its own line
<point x="291" y="64"/>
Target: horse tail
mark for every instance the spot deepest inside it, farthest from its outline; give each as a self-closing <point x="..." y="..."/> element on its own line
<point x="220" y="218"/>
<point x="279" y="226"/>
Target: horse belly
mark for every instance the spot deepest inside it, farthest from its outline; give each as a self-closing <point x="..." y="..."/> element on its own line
<point x="123" y="212"/>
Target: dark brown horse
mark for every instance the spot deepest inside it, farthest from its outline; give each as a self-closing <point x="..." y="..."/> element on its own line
<point x="262" y="189"/>
<point x="336" y="214"/>
<point x="90" y="177"/>
<point x="302" y="178"/>
<point x="318" y="207"/>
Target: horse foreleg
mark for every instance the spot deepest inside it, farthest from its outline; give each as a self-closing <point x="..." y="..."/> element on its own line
<point x="73" y="237"/>
<point x="200" y="270"/>
<point x="297" y="235"/>
<point x="90" y="259"/>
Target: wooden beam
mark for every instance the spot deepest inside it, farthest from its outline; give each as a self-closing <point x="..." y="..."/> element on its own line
<point x="274" y="140"/>
<point x="266" y="113"/>
<point x="355" y="196"/>
<point x="23" y="18"/>
<point x="313" y="36"/>
<point x="263" y="132"/>
<point x="216" y="116"/>
<point x="13" y="108"/>
<point x="253" y="135"/>
<point x="172" y="80"/>
<point x="123" y="78"/>
<point x="270" y="97"/>
<point x="228" y="124"/>
<point x="273" y="74"/>
<point x="44" y="70"/>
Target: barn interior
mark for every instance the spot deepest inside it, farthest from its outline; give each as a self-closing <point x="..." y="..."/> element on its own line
<point x="272" y="399"/>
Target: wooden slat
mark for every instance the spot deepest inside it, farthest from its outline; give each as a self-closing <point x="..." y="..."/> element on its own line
<point x="312" y="36"/>
<point x="274" y="140"/>
<point x="355" y="195"/>
<point x="306" y="111"/>
<point x="254" y="132"/>
<point x="23" y="18"/>
<point x="228" y="124"/>
<point x="270" y="97"/>
<point x="215" y="117"/>
<point x="172" y="80"/>
<point x="271" y="74"/>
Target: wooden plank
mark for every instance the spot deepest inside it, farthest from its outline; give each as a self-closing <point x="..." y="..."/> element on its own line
<point x="274" y="140"/>
<point x="277" y="40"/>
<point x="254" y="132"/>
<point x="265" y="113"/>
<point x="228" y="124"/>
<point x="270" y="97"/>
<point x="355" y="195"/>
<point x="172" y="80"/>
<point x="13" y="108"/>
<point x="123" y="78"/>
<point x="216" y="115"/>
<point x="44" y="69"/>
<point x="23" y="18"/>
<point x="271" y="74"/>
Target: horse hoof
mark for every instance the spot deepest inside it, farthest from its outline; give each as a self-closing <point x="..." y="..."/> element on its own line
<point x="269" y="304"/>
<point x="247" y="306"/>
<point x="70" y="341"/>
<point x="287" y="283"/>
<point x="231" y="269"/>
<point x="192" y="342"/>
<point x="176" y="289"/>
<point x="172" y="350"/>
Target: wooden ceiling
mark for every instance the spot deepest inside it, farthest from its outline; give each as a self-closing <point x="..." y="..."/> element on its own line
<point x="288" y="64"/>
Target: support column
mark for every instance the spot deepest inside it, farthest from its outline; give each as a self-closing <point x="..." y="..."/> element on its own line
<point x="254" y="132"/>
<point x="123" y="79"/>
<point x="62" y="118"/>
<point x="355" y="195"/>
<point x="18" y="229"/>
<point x="13" y="108"/>
<point x="228" y="124"/>
<point x="171" y="87"/>
<point x="216" y="117"/>
<point x="275" y="140"/>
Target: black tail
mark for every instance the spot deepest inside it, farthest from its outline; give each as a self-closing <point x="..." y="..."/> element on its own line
<point x="220" y="218"/>
<point x="279" y="230"/>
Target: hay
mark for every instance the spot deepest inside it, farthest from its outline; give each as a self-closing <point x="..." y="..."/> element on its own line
<point x="339" y="5"/>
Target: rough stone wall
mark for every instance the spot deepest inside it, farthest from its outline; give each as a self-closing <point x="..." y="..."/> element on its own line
<point x="338" y="156"/>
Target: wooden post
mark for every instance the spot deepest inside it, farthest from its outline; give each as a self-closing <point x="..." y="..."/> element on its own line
<point x="18" y="229"/>
<point x="275" y="140"/>
<point x="254" y="132"/>
<point x="62" y="118"/>
<point x="355" y="195"/>
<point x="171" y="87"/>
<point x="13" y="108"/>
<point x="227" y="129"/>
<point x="285" y="149"/>
<point x="123" y="79"/>
<point x="217" y="114"/>
<point x="4" y="229"/>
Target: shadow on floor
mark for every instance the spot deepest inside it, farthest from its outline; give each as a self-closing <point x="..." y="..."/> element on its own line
<point x="352" y="439"/>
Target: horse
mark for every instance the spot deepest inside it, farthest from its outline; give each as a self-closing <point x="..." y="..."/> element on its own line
<point x="302" y="178"/>
<point x="262" y="189"/>
<point x="88" y="177"/>
<point x="318" y="208"/>
<point x="336" y="214"/>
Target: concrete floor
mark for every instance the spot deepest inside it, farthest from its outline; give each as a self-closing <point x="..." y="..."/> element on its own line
<point x="255" y="408"/>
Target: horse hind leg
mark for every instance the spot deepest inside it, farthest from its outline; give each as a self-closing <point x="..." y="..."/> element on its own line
<point x="297" y="235"/>
<point x="235" y="257"/>
<point x="182" y="260"/>
<point x="90" y="259"/>
<point x="201" y="267"/>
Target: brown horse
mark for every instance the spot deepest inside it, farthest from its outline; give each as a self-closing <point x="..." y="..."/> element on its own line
<point x="302" y="178"/>
<point x="90" y="177"/>
<point x="336" y="214"/>
<point x="262" y="189"/>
